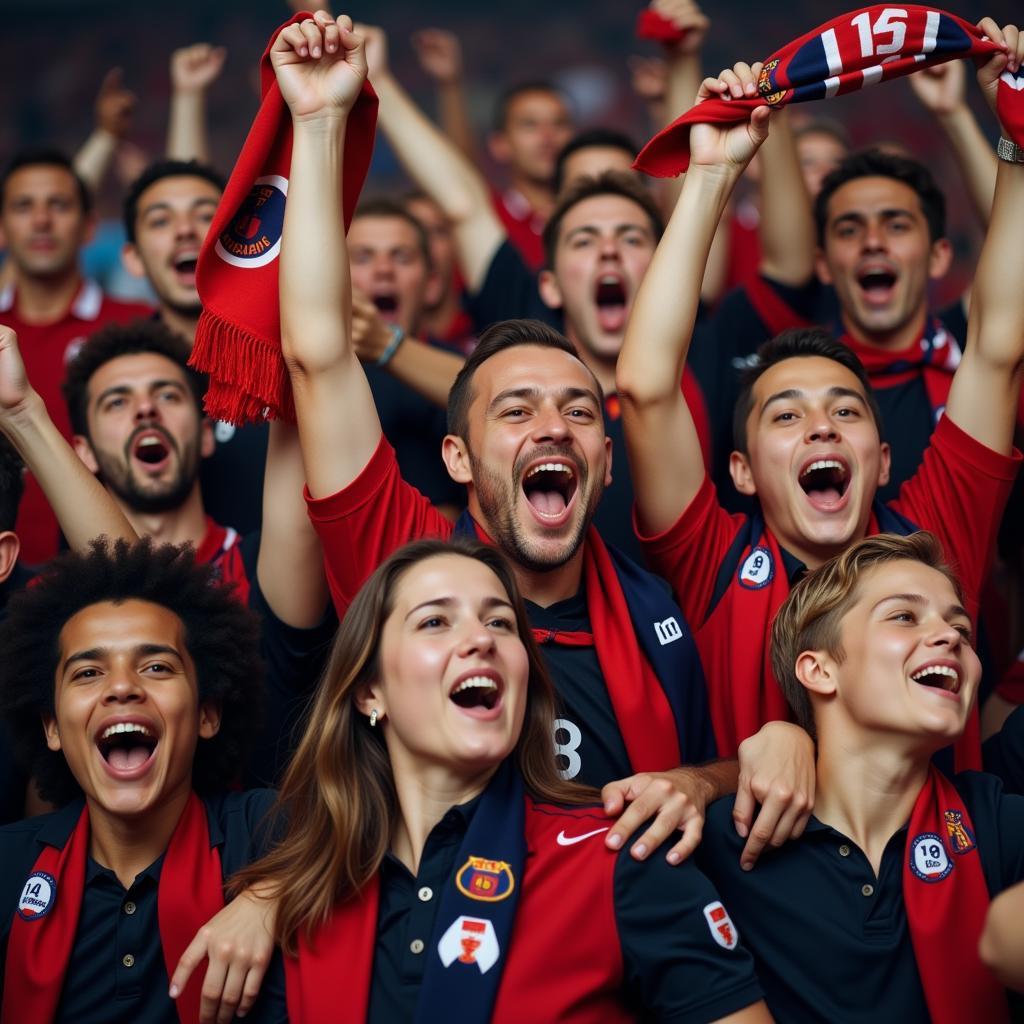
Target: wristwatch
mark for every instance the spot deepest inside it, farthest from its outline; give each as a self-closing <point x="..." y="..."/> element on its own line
<point x="1010" y="152"/>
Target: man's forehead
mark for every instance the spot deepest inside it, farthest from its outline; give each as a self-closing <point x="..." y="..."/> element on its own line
<point x="812" y="375"/>
<point x="535" y="101"/>
<point x="39" y="178"/>
<point x="530" y="366"/>
<point x="129" y="623"/>
<point x="604" y="209"/>
<point x="181" y="188"/>
<point x="137" y="368"/>
<point x="381" y="231"/>
<point x="872" y="193"/>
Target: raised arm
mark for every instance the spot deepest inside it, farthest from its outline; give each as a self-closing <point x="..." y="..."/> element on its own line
<point x="440" y="56"/>
<point x="664" y="450"/>
<point x="83" y="507"/>
<point x="115" y="105"/>
<point x="320" y="68"/>
<point x="193" y="69"/>
<point x="436" y="165"/>
<point x="983" y="396"/>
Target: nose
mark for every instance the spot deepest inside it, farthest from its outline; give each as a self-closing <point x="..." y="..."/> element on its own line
<point x="873" y="238"/>
<point x="944" y="634"/>
<point x="477" y="639"/>
<point x="819" y="428"/>
<point x="550" y="425"/>
<point x="185" y="228"/>
<point x="146" y="409"/>
<point x="383" y="265"/>
<point x="122" y="687"/>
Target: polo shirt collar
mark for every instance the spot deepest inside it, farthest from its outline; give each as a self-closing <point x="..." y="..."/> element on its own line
<point x="85" y="306"/>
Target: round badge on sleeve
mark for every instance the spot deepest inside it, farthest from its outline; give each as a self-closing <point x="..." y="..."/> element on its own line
<point x="253" y="238"/>
<point x="38" y="896"/>
<point x="757" y="569"/>
<point x="928" y="857"/>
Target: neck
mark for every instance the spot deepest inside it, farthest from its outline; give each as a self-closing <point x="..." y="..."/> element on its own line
<point x="437" y="321"/>
<point x="549" y="586"/>
<point x="181" y="525"/>
<point x="43" y="300"/>
<point x="127" y="845"/>
<point x="425" y="794"/>
<point x="895" y="340"/>
<point x="180" y="323"/>
<point x="538" y="194"/>
<point x="867" y="786"/>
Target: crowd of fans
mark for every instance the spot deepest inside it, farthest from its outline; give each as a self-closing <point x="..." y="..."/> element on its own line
<point x="542" y="589"/>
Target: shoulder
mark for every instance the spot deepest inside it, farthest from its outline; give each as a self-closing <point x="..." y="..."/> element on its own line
<point x="245" y="809"/>
<point x="121" y="312"/>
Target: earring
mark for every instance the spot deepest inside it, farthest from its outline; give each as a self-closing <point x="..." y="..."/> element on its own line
<point x="374" y="715"/>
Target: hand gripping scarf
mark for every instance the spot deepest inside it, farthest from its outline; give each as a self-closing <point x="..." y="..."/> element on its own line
<point x="238" y="339"/>
<point x="857" y="49"/>
<point x="43" y="932"/>
<point x="946" y="897"/>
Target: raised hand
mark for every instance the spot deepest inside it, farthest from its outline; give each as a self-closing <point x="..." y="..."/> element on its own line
<point x="1012" y="41"/>
<point x="370" y="334"/>
<point x="440" y="54"/>
<point x="15" y="390"/>
<point x="723" y="145"/>
<point x="940" y="88"/>
<point x="649" y="78"/>
<point x="115" y="104"/>
<point x="194" y="68"/>
<point x="687" y="17"/>
<point x="320" y="64"/>
<point x="376" y="49"/>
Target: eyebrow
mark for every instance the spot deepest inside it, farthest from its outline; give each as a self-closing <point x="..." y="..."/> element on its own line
<point x="164" y="205"/>
<point x="593" y="229"/>
<point x="98" y="653"/>
<point x="449" y="602"/>
<point x="534" y="392"/>
<point x="124" y="389"/>
<point x="886" y="214"/>
<point x="953" y="611"/>
<point x="794" y="394"/>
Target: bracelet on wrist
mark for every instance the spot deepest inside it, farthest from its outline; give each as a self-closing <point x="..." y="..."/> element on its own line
<point x="1009" y="152"/>
<point x="397" y="337"/>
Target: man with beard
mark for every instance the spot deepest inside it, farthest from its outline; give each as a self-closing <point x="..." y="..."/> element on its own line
<point x="526" y="438"/>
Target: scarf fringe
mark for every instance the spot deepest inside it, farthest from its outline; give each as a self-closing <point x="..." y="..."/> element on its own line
<point x="251" y="380"/>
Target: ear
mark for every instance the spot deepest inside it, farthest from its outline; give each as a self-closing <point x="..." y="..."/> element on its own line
<point x="456" y="459"/>
<point x="742" y="477"/>
<point x="608" y="462"/>
<point x="821" y="267"/>
<point x="207" y="442"/>
<point x="370" y="697"/>
<point x="885" y="464"/>
<point x="940" y="259"/>
<point x="498" y="147"/>
<point x="132" y="261"/>
<point x="550" y="293"/>
<point x="84" y="451"/>
<point x="51" y="732"/>
<point x="209" y="720"/>
<point x="816" y="671"/>
<point x="10" y="547"/>
<point x="433" y="290"/>
<point x="89" y="229"/>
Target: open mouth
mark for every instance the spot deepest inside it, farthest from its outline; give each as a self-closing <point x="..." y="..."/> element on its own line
<point x="939" y="677"/>
<point x="877" y="284"/>
<point x="550" y="487"/>
<point x="185" y="266"/>
<point x="386" y="303"/>
<point x="825" y="482"/>
<point x="126" y="746"/>
<point x="610" y="299"/>
<point x="476" y="692"/>
<point x="151" y="450"/>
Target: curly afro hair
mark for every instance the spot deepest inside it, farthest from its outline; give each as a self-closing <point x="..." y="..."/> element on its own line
<point x="221" y="635"/>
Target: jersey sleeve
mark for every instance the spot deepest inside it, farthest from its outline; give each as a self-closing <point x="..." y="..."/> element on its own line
<point x="959" y="493"/>
<point x="681" y="958"/>
<point x="689" y="553"/>
<point x="363" y="523"/>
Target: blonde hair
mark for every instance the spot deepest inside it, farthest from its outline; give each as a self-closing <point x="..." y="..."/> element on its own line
<point x="811" y="617"/>
<point x="337" y="803"/>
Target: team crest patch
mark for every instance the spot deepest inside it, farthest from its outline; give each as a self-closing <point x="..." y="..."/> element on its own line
<point x="38" y="896"/>
<point x="723" y="931"/>
<point x="253" y="238"/>
<point x="928" y="857"/>
<point x="766" y="86"/>
<point x="757" y="569"/>
<point x="960" y="836"/>
<point x="486" y="880"/>
<point x="469" y="940"/>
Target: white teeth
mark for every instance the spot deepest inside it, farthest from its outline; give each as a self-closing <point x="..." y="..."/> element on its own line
<point x="550" y="467"/>
<point x="148" y="441"/>
<point x="822" y="464"/>
<point x="120" y="727"/>
<point x="937" y="670"/>
<point x="608" y="279"/>
<point x="475" y="683"/>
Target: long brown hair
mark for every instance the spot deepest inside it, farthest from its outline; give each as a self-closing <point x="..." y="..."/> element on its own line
<point x="337" y="802"/>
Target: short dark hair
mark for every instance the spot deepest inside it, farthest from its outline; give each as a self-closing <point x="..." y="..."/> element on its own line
<point x="385" y="206"/>
<point x="592" y="138"/>
<point x="157" y="172"/>
<point x="871" y="163"/>
<point x="796" y="343"/>
<point x="221" y="635"/>
<point x="498" y="337"/>
<point x="45" y="157"/>
<point x="610" y="183"/>
<point x="12" y="484"/>
<point x="823" y="126"/>
<point x="512" y="93"/>
<point x="114" y="341"/>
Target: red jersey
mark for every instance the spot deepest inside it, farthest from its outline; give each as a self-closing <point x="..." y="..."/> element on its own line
<point x="958" y="493"/>
<point x="221" y="547"/>
<point x="523" y="224"/>
<point x="46" y="349"/>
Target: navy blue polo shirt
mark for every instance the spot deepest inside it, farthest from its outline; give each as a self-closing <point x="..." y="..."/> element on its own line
<point x="830" y="940"/>
<point x="116" y="972"/>
<point x="659" y="911"/>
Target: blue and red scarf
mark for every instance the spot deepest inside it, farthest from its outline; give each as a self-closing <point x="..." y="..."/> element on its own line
<point x="860" y="48"/>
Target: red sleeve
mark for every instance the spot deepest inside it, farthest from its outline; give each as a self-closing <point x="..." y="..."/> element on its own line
<point x="363" y="523"/>
<point x="959" y="493"/>
<point x="689" y="553"/>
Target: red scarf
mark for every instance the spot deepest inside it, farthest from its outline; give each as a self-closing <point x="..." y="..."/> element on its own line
<point x="946" y="897"/>
<point x="238" y="337"/>
<point x="43" y="932"/>
<point x="656" y="27"/>
<point x="857" y="49"/>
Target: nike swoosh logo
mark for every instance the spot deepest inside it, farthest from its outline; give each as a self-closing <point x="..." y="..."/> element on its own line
<point x="564" y="840"/>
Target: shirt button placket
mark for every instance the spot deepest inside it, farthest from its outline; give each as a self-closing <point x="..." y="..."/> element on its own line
<point x="128" y="960"/>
